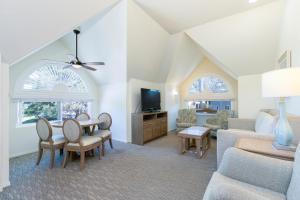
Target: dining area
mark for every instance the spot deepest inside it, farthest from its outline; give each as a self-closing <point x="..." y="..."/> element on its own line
<point x="77" y="138"/>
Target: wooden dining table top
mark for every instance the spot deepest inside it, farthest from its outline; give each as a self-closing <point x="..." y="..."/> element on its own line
<point x="83" y="123"/>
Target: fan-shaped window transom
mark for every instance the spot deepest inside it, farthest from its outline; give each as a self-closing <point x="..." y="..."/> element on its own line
<point x="210" y="84"/>
<point x="53" y="77"/>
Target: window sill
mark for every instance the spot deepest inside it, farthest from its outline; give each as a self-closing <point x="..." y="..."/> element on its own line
<point x="25" y="125"/>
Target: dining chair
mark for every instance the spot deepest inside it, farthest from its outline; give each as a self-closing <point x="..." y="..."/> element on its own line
<point x="104" y="130"/>
<point x="75" y="142"/>
<point x="84" y="117"/>
<point x="47" y="140"/>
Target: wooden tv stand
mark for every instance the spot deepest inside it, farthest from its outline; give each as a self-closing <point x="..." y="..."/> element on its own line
<point x="148" y="126"/>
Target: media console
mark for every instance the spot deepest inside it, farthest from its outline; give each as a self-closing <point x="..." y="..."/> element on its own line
<point x="148" y="126"/>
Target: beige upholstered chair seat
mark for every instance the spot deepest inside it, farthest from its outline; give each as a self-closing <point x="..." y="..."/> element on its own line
<point x="86" y="141"/>
<point x="103" y="133"/>
<point x="57" y="139"/>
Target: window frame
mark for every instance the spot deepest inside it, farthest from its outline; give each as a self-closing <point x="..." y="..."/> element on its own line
<point x="20" y="112"/>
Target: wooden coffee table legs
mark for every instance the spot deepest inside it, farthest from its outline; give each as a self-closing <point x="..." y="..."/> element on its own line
<point x="202" y="145"/>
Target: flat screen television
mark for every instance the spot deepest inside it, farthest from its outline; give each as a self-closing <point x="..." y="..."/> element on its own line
<point x="150" y="100"/>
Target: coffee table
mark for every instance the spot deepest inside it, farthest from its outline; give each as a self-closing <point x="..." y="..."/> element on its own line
<point x="200" y="134"/>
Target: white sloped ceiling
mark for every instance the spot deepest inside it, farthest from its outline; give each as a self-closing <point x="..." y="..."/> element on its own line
<point x="178" y="15"/>
<point x="245" y="43"/>
<point x="27" y="26"/>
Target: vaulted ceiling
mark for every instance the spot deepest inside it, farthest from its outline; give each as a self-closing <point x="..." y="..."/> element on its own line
<point x="239" y="37"/>
<point x="27" y="26"/>
<point x="245" y="43"/>
<point x="178" y="15"/>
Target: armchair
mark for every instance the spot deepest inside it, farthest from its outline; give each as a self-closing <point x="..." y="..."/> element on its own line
<point x="186" y="118"/>
<point x="218" y="122"/>
<point x="244" y="175"/>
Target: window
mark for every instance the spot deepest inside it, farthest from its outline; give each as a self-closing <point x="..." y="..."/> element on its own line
<point x="52" y="111"/>
<point x="210" y="92"/>
<point x="53" y="77"/>
<point x="209" y="84"/>
<point x="74" y="108"/>
<point x="51" y="92"/>
<point x="33" y="110"/>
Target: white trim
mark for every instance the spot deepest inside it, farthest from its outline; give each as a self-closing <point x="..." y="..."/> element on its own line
<point x="22" y="153"/>
<point x="4" y="125"/>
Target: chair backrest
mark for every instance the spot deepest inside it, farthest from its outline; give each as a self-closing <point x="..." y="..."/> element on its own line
<point x="72" y="131"/>
<point x="293" y="192"/>
<point x="105" y="121"/>
<point x="83" y="117"/>
<point x="187" y="115"/>
<point x="43" y="129"/>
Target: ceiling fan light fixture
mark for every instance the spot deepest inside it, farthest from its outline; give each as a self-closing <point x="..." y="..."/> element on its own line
<point x="76" y="66"/>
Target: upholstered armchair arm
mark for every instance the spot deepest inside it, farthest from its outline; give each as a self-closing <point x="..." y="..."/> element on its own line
<point x="213" y="121"/>
<point x="228" y="138"/>
<point x="258" y="170"/>
<point x="245" y="124"/>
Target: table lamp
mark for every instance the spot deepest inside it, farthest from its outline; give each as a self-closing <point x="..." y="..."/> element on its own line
<point x="282" y="83"/>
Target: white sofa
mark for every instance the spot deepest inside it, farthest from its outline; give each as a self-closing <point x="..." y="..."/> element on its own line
<point x="247" y="176"/>
<point x="238" y="128"/>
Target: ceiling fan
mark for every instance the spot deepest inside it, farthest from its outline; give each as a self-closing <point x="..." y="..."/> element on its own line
<point x="75" y="61"/>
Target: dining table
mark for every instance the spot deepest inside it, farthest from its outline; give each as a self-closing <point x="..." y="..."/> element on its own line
<point x="85" y="124"/>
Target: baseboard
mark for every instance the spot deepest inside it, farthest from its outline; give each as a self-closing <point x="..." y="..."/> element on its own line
<point x="4" y="185"/>
<point x="22" y="153"/>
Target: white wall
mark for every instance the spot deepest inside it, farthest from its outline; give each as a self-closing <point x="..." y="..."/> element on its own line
<point x="105" y="40"/>
<point x="290" y="39"/>
<point x="4" y="117"/>
<point x="113" y="99"/>
<point x="24" y="139"/>
<point x="172" y="104"/>
<point x="250" y="99"/>
<point x="134" y="98"/>
<point x="147" y="42"/>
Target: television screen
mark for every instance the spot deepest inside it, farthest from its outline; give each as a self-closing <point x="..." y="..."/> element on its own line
<point x="150" y="100"/>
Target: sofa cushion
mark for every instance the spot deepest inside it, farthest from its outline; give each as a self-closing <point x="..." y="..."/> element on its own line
<point x="294" y="188"/>
<point x="265" y="123"/>
<point x="222" y="187"/>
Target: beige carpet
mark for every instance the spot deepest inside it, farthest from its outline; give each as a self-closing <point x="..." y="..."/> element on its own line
<point x="130" y="172"/>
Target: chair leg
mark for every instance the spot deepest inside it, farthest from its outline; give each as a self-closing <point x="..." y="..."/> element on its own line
<point x="100" y="147"/>
<point x="103" y="149"/>
<point x="82" y="158"/>
<point x="52" y="158"/>
<point x="110" y="143"/>
<point x="40" y="154"/>
<point x="65" y="160"/>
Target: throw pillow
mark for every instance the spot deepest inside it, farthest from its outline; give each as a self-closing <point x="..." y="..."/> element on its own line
<point x="265" y="123"/>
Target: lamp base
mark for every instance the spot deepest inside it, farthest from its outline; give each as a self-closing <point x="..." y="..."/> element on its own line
<point x="284" y="148"/>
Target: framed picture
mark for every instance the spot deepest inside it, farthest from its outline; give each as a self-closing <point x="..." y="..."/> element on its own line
<point x="285" y="60"/>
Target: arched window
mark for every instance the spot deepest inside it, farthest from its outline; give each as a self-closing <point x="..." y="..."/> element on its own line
<point x="51" y="77"/>
<point x="52" y="92"/>
<point x="210" y="91"/>
<point x="210" y="84"/>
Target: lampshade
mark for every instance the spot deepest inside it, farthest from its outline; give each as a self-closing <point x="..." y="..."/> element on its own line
<point x="281" y="83"/>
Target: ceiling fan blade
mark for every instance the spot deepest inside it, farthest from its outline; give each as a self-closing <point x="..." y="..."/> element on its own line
<point x="94" y="63"/>
<point x="53" y="61"/>
<point x="67" y="66"/>
<point x="88" y="67"/>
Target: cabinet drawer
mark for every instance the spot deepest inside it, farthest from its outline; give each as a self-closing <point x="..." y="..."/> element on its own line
<point x="164" y="129"/>
<point x="148" y="133"/>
